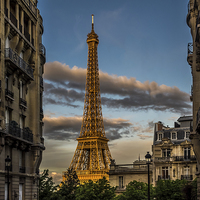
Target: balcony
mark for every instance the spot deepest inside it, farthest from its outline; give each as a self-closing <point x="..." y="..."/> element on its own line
<point x="41" y="114"/>
<point x="22" y="169"/>
<point x="13" y="129"/>
<point x="9" y="95"/>
<point x="185" y="158"/>
<point x="164" y="177"/>
<point x="14" y="58"/>
<point x="163" y="159"/>
<point x="22" y="104"/>
<point x="190" y="54"/>
<point x="187" y="177"/>
<point x="27" y="134"/>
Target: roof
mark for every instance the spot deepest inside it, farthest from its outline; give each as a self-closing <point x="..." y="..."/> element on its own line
<point x="185" y="118"/>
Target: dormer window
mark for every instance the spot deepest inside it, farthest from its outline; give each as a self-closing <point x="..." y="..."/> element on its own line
<point x="187" y="134"/>
<point x="173" y="136"/>
<point x="160" y="135"/>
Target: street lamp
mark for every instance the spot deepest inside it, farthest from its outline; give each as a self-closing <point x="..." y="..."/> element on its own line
<point x="148" y="161"/>
<point x="8" y="164"/>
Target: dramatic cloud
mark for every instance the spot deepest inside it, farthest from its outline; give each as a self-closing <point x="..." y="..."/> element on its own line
<point x="68" y="128"/>
<point x="65" y="86"/>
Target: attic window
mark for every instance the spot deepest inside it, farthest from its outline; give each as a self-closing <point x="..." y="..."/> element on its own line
<point x="173" y="136"/>
<point x="187" y="134"/>
<point x="160" y="136"/>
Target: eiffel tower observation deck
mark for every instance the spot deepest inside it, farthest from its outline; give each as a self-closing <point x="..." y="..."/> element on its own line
<point x="92" y="157"/>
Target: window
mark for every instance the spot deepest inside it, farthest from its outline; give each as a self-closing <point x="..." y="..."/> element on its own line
<point x="121" y="182"/>
<point x="8" y="115"/>
<point x="173" y="136"/>
<point x="187" y="134"/>
<point x="166" y="153"/>
<point x="7" y="80"/>
<point x="165" y="173"/>
<point x="174" y="173"/>
<point x="20" y="191"/>
<point x="21" y="121"/>
<point x="21" y="161"/>
<point x="159" y="136"/>
<point x="7" y="43"/>
<point x="187" y="153"/>
<point x="186" y="171"/>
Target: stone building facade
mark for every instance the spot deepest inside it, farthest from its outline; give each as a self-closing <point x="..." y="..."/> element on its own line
<point x="22" y="58"/>
<point x="122" y="175"/>
<point x="193" y="58"/>
<point x="173" y="154"/>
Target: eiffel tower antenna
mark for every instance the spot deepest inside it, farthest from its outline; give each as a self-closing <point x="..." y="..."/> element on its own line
<point x="92" y="156"/>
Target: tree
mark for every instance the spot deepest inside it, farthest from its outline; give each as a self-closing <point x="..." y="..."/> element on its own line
<point x="46" y="186"/>
<point x="169" y="189"/>
<point x="137" y="191"/>
<point x="68" y="187"/>
<point x="100" y="190"/>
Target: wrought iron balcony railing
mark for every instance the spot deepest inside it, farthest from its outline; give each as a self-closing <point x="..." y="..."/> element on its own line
<point x="22" y="169"/>
<point x="9" y="93"/>
<point x="14" y="129"/>
<point x="185" y="158"/>
<point x="41" y="114"/>
<point x="164" y="177"/>
<point x="187" y="177"/>
<point x="19" y="62"/>
<point x="22" y="102"/>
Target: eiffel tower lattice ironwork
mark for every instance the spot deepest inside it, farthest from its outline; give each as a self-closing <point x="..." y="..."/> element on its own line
<point x="92" y="156"/>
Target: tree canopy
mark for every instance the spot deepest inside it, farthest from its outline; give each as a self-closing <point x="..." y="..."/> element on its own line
<point x="71" y="189"/>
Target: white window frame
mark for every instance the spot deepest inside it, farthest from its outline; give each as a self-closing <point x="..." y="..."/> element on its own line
<point x="175" y="135"/>
<point x="159" y="136"/>
<point x="186" y="134"/>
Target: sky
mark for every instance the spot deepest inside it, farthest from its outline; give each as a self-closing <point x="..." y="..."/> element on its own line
<point x="144" y="74"/>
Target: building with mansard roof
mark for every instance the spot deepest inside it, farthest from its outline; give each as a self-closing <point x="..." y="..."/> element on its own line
<point x="173" y="154"/>
<point x="22" y="58"/>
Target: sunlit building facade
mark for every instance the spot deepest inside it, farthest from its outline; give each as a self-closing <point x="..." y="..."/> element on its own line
<point x="21" y="89"/>
<point x="173" y="154"/>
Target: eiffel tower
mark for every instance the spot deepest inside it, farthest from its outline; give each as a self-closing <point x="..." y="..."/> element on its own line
<point x="92" y="157"/>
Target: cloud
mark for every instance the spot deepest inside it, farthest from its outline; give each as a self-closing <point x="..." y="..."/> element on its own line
<point x="66" y="85"/>
<point x="68" y="128"/>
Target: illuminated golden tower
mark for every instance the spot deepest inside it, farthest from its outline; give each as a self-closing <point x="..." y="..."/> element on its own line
<point x="92" y="156"/>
